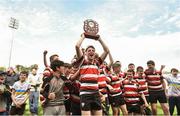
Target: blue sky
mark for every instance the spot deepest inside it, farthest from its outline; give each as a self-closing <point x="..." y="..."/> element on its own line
<point x="134" y="30"/>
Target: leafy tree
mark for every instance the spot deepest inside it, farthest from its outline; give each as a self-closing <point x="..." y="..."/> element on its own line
<point x="2" y="68"/>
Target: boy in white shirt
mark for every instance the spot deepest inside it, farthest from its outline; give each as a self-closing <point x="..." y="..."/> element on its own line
<point x="20" y="94"/>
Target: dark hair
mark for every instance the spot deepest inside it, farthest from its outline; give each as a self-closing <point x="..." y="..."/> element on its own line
<point x="174" y="69"/>
<point x="56" y="63"/>
<point x="139" y="67"/>
<point x="131" y="71"/>
<point x="151" y="62"/>
<point x="90" y="46"/>
<point x="131" y="64"/>
<point x="52" y="57"/>
<point x="24" y="72"/>
<point x="67" y="65"/>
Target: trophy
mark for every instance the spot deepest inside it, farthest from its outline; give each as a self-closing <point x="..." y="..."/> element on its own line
<point x="91" y="29"/>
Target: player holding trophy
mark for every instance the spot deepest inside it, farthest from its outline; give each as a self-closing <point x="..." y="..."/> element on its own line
<point x="90" y="97"/>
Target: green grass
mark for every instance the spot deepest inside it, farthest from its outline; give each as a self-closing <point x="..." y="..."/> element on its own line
<point x="27" y="112"/>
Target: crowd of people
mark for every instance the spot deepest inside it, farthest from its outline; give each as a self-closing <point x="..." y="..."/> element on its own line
<point x="90" y="86"/>
<point x="16" y="88"/>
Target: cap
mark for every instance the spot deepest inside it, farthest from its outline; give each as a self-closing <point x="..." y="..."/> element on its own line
<point x="116" y="64"/>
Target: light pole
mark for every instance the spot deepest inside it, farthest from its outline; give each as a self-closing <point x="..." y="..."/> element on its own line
<point x="14" y="23"/>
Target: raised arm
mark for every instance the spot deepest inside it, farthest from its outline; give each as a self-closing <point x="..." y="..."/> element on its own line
<point x="75" y="76"/>
<point x="162" y="67"/>
<point x="111" y="60"/>
<point x="79" y="53"/>
<point x="105" y="48"/>
<point x="44" y="58"/>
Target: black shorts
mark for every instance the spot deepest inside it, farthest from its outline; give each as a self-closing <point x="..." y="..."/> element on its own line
<point x="67" y="104"/>
<point x="116" y="101"/>
<point x="17" y="111"/>
<point x="155" y="96"/>
<point x="134" y="108"/>
<point x="75" y="108"/>
<point x="90" y="102"/>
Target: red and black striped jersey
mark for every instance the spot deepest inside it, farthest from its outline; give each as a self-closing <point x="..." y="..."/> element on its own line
<point x="115" y="82"/>
<point x="103" y="80"/>
<point x="66" y="92"/>
<point x="74" y="96"/>
<point x="154" y="80"/>
<point x="89" y="74"/>
<point x="143" y="87"/>
<point x="131" y="91"/>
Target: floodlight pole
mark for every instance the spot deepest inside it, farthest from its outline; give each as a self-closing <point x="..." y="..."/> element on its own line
<point x="13" y="25"/>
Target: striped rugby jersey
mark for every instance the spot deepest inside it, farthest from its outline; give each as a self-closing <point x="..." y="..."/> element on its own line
<point x="131" y="92"/>
<point x="74" y="96"/>
<point x="115" y="82"/>
<point x="154" y="80"/>
<point x="103" y="80"/>
<point x="89" y="74"/>
<point x="143" y="87"/>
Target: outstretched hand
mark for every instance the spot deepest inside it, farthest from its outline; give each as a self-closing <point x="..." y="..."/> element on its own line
<point x="45" y="52"/>
<point x="162" y="67"/>
<point x="51" y="96"/>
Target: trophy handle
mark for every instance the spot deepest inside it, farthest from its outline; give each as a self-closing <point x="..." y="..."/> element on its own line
<point x="95" y="37"/>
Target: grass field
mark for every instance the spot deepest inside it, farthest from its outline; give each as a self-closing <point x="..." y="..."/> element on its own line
<point x="160" y="112"/>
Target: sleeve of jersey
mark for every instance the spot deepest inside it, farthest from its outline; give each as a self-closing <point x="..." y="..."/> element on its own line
<point x="122" y="86"/>
<point x="45" y="93"/>
<point x="14" y="86"/>
<point x="139" y="90"/>
<point x="47" y="72"/>
<point x="68" y="83"/>
<point x="108" y="79"/>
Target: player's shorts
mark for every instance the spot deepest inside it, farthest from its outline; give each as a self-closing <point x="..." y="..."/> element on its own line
<point x="155" y="96"/>
<point x="90" y="102"/>
<point x="134" y="108"/>
<point x="117" y="101"/>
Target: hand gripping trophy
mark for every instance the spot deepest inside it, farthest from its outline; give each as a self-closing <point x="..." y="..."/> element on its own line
<point x="91" y="29"/>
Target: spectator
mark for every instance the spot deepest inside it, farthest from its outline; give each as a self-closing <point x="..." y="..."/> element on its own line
<point x="174" y="91"/>
<point x="11" y="78"/>
<point x="4" y="93"/>
<point x="55" y="96"/>
<point x="20" y="94"/>
<point x="34" y="80"/>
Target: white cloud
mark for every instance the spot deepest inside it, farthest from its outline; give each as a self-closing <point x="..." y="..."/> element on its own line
<point x="178" y="24"/>
<point x="135" y="28"/>
<point x="139" y="50"/>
